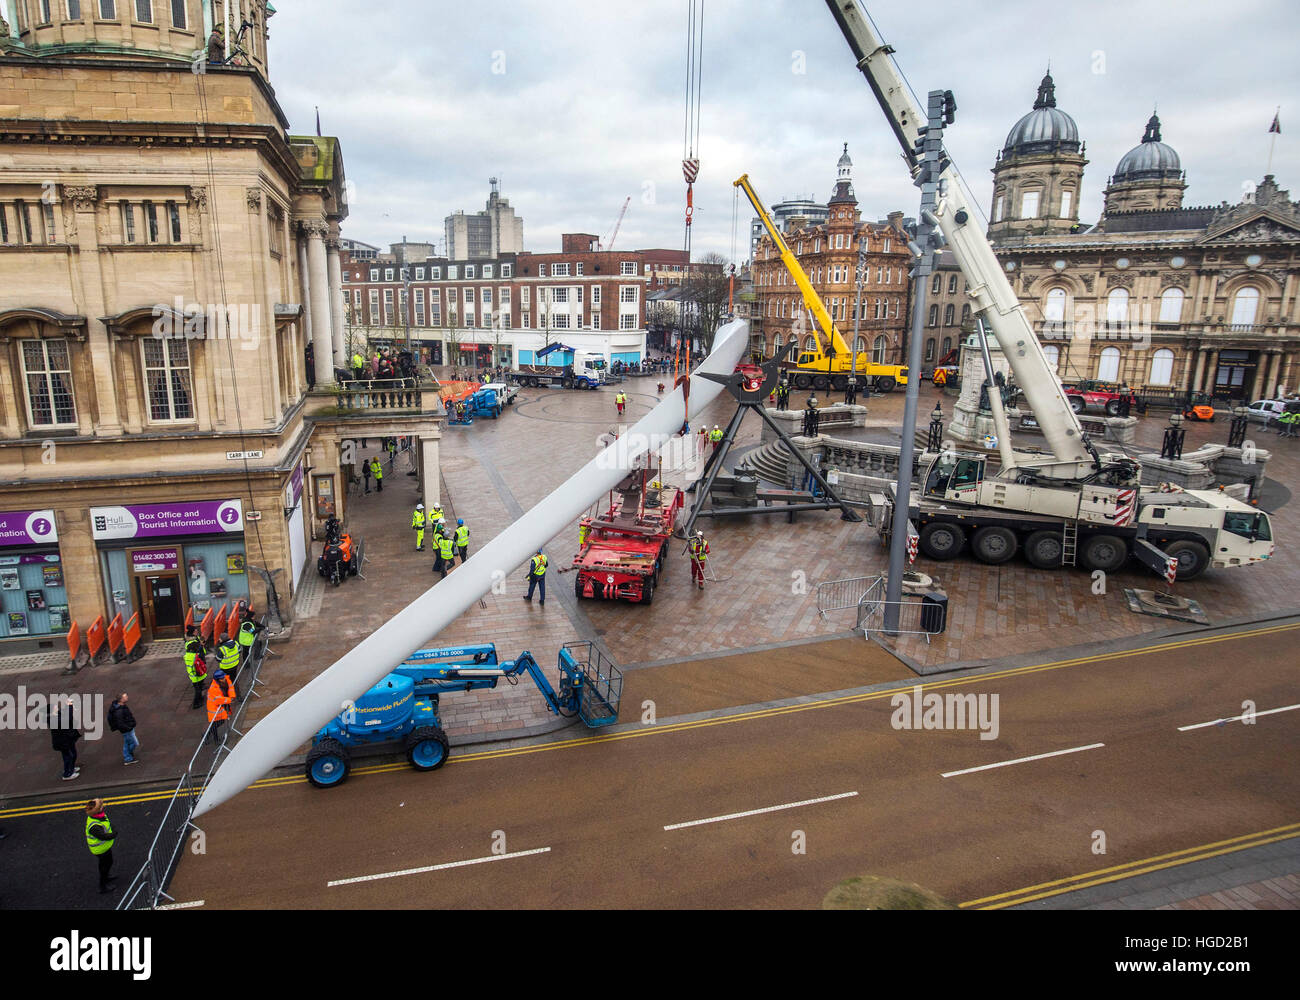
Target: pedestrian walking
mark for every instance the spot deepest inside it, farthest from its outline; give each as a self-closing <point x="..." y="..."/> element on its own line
<point x="221" y="693"/>
<point x="100" y="838"/>
<point x="417" y="522"/>
<point x="196" y="663"/>
<point x="365" y="473"/>
<point x="537" y="577"/>
<point x="699" y="549"/>
<point x="377" y="471"/>
<point x="446" y="555"/>
<point x="391" y="445"/>
<point x="121" y="720"/>
<point x="64" y="734"/>
<point x="715" y="436"/>
<point x="620" y="401"/>
<point x="461" y="538"/>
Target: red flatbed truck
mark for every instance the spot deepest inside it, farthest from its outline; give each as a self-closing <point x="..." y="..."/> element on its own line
<point x="625" y="546"/>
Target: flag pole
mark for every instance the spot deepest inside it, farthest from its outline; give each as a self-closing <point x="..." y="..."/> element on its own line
<point x="1273" y="130"/>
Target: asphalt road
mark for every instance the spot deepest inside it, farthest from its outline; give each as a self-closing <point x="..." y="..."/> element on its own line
<point x="582" y="823"/>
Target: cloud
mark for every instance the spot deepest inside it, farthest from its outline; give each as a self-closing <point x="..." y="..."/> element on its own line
<point x="577" y="105"/>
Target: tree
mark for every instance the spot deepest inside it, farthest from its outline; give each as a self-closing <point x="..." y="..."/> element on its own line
<point x="706" y="290"/>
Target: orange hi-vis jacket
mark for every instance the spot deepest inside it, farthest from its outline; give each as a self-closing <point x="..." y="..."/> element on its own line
<point x="217" y="701"/>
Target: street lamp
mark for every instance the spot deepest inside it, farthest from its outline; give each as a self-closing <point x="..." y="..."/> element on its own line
<point x="1237" y="430"/>
<point x="1172" y="446"/>
<point x="934" y="439"/>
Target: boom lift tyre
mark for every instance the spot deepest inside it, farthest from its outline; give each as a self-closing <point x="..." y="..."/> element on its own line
<point x="426" y="748"/>
<point x="942" y="541"/>
<point x="328" y="764"/>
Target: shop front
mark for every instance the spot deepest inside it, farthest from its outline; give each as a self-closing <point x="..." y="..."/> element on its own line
<point x="33" y="597"/>
<point x="164" y="560"/>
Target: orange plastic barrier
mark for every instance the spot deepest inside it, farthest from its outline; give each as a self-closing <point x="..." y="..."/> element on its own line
<point x="131" y="634"/>
<point x="115" y="636"/>
<point x="233" y="628"/>
<point x="74" y="641"/>
<point x="189" y="619"/>
<point x="219" y="623"/>
<point x="205" y="627"/>
<point x="95" y="637"/>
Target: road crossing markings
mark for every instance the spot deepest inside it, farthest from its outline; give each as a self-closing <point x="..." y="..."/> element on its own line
<point x="1238" y="718"/>
<point x="765" y="809"/>
<point x="438" y="868"/>
<point x="1021" y="760"/>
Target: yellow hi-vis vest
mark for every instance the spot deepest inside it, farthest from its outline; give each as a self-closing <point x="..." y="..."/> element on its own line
<point x="436" y="513"/>
<point x="247" y="633"/>
<point x="444" y="547"/>
<point x="539" y="565"/>
<point x="462" y="536"/>
<point x="376" y="469"/>
<point x="96" y="845"/>
<point x="229" y="652"/>
<point x="193" y="649"/>
<point x="699" y="549"/>
<point x="417" y="519"/>
<point x="715" y="434"/>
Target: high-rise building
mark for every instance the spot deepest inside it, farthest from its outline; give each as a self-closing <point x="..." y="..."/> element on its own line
<point x="494" y="231"/>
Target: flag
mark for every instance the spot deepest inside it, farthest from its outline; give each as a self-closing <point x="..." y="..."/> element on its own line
<point x="318" y="121"/>
<point x="1276" y="126"/>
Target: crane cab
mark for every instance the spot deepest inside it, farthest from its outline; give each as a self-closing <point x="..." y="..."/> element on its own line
<point x="955" y="477"/>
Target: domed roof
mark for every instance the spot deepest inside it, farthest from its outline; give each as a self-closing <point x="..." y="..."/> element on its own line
<point x="1046" y="128"/>
<point x="1150" y="159"/>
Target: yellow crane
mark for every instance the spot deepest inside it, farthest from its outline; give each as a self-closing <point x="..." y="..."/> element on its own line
<point x="822" y="369"/>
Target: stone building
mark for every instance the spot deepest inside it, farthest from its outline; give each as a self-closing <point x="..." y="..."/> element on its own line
<point x="829" y="254"/>
<point x="494" y="231"/>
<point x="168" y="260"/>
<point x="1154" y="293"/>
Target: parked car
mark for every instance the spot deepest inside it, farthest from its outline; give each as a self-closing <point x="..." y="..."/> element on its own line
<point x="1106" y="395"/>
<point x="1265" y="411"/>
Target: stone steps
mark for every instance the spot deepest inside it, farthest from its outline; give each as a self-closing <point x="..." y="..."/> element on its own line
<point x="768" y="462"/>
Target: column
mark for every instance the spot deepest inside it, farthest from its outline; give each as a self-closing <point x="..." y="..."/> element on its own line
<point x="1195" y="384"/>
<point x="304" y="280"/>
<point x="319" y="293"/>
<point x="1261" y="380"/>
<point x="336" y="297"/>
<point x="429" y="481"/>
<point x="1186" y="380"/>
<point x="1211" y="370"/>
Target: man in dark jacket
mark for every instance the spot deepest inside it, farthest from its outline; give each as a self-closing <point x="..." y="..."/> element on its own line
<point x="121" y="720"/>
<point x="64" y="735"/>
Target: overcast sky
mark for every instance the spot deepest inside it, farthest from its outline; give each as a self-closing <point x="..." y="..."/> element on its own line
<point x="577" y="104"/>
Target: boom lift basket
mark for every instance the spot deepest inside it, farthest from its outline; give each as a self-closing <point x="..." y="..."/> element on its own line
<point x="602" y="682"/>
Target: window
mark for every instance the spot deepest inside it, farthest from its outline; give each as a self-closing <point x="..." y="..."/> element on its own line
<point x="1029" y="205"/>
<point x="560" y="296"/>
<point x="1067" y="199"/>
<point x="936" y="286"/>
<point x="1162" y="367"/>
<point x="74" y="10"/>
<point x="860" y="345"/>
<point x="508" y="269"/>
<point x="144" y="11"/>
<point x="503" y="294"/>
<point x="1171" y="305"/>
<point x="1108" y="364"/>
<point x="952" y="284"/>
<point x="435" y="311"/>
<point x="525" y="296"/>
<point x="178" y="15"/>
<point x="577" y="293"/>
<point x="948" y="314"/>
<point x="486" y="297"/>
<point x="809" y="344"/>
<point x="559" y="270"/>
<point x="1053" y="355"/>
<point x="275" y="232"/>
<point x="879" y="349"/>
<point x="627" y="267"/>
<point x="627" y="293"/>
<point x="435" y="273"/>
<point x="374" y="274"/>
<point x="886" y="250"/>
<point x="388" y="274"/>
<point x="839" y="241"/>
<point x="469" y="270"/>
<point x="929" y="349"/>
<point x="151" y="221"/>
<point x="595" y="321"/>
<point x="627" y="321"/>
<point x="108" y="10"/>
<point x="1243" y="307"/>
<point x="965" y="313"/>
<point x="947" y="344"/>
<point x="595" y="295"/>
<point x="47" y="368"/>
<point x="453" y="272"/>
<point x="1054" y="311"/>
<point x="524" y="321"/>
<point x="388" y="307"/>
<point x="560" y="321"/>
<point x="1116" y="311"/>
<point x="419" y="307"/>
<point x="374" y="305"/>
<point x="174" y="219"/>
<point x="44" y="12"/>
<point x="419" y="274"/>
<point x="167" y="378"/>
<point x="469" y="300"/>
<point x="997" y="208"/>
<point x="541" y="270"/>
<point x="487" y="270"/>
<point x="934" y="314"/>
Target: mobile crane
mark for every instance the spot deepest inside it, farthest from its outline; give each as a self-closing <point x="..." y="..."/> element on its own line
<point x="1072" y="503"/>
<point x="817" y="369"/>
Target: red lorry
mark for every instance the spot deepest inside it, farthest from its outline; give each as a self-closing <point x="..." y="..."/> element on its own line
<point x="624" y="548"/>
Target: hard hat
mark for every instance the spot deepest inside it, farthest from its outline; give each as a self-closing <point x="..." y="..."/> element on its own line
<point x="699" y="534"/>
<point x="715" y="427"/>
<point x="419" y="506"/>
<point x="459" y="521"/>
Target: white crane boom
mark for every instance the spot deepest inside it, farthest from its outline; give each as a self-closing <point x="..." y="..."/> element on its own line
<point x="618" y="224"/>
<point x="959" y="224"/>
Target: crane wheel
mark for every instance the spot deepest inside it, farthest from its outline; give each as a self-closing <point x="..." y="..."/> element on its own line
<point x="840" y="382"/>
<point x="427" y="748"/>
<point x="941" y="541"/>
<point x="648" y="591"/>
<point x="1193" y="558"/>
<point x="885" y="383"/>
<point x="1044" y="549"/>
<point x="802" y="382"/>
<point x="994" y="545"/>
<point x="821" y="382"/>
<point x="1104" y="552"/>
<point x="328" y="764"/>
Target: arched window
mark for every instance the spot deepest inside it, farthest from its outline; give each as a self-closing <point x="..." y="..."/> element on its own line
<point x="965" y="314"/>
<point x="934" y="315"/>
<point x="947" y="344"/>
<point x="1116" y="309"/>
<point x="1053" y="355"/>
<point x="860" y="345"/>
<point x="1162" y="367"/>
<point x="810" y="343"/>
<point x="1171" y="305"/>
<point x="879" y="349"/>
<point x="929" y="349"/>
<point x="777" y="344"/>
<point x="949" y="312"/>
<point x="1244" y="306"/>
<point x="1108" y="365"/>
<point x="1054" y="310"/>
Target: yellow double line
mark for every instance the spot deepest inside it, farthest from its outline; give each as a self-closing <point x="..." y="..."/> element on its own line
<point x="1101" y="876"/>
<point x="677" y="727"/>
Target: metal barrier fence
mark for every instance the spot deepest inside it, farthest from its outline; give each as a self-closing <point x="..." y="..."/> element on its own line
<point x="914" y="616"/>
<point x="841" y="595"/>
<point x="150" y="883"/>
